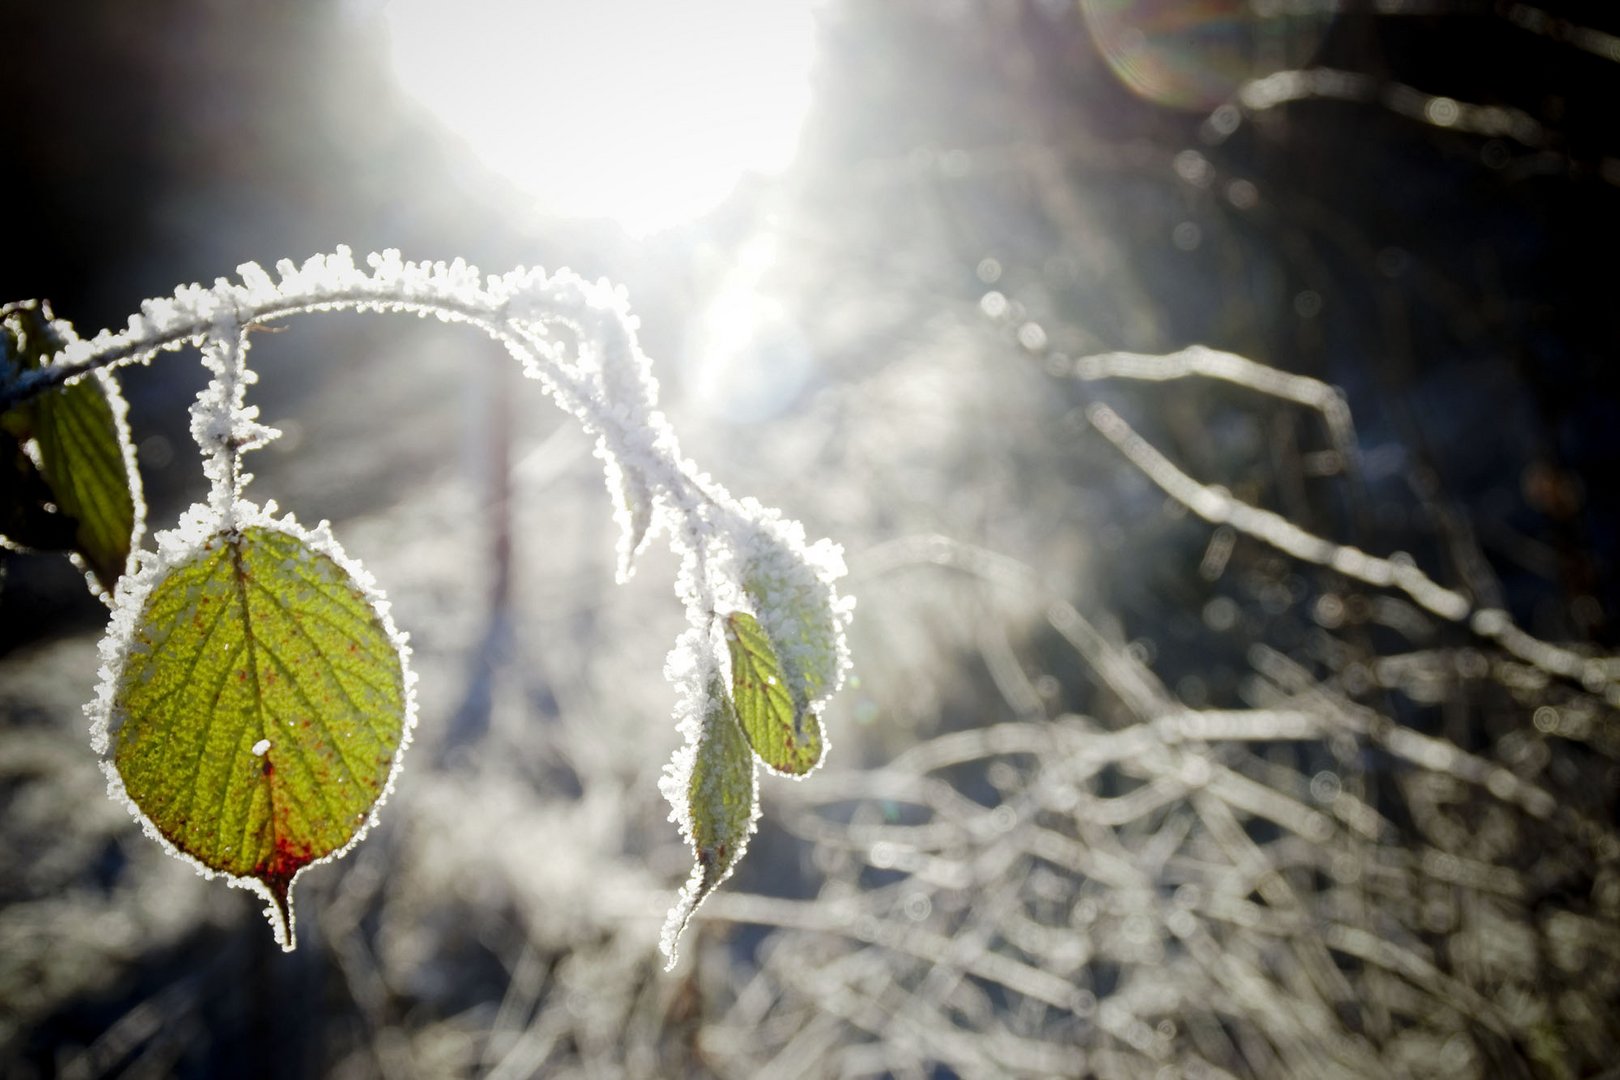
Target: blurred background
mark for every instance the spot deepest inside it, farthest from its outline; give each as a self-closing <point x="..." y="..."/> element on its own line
<point x="1115" y="791"/>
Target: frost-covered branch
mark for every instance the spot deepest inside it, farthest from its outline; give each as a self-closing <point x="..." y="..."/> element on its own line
<point x="1200" y="360"/>
<point x="1282" y="87"/>
<point x="1219" y="507"/>
<point x="763" y="651"/>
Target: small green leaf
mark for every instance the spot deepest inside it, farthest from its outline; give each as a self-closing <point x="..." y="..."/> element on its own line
<point x="804" y="629"/>
<point x="786" y="734"/>
<point x="260" y="710"/>
<point x="721" y="794"/>
<point x="83" y="454"/>
<point x="722" y="801"/>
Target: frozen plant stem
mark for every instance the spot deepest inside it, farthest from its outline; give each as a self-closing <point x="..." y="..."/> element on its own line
<point x="1219" y="507"/>
<point x="745" y="570"/>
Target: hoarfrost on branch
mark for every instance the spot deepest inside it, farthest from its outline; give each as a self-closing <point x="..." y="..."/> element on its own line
<point x="578" y="340"/>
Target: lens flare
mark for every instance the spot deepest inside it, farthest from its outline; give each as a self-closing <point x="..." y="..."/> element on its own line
<point x="1194" y="54"/>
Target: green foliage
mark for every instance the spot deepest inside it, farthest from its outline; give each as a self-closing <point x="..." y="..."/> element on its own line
<point x="260" y="710"/>
<point x="804" y="631"/>
<point x="781" y="727"/>
<point x="255" y="697"/>
<point x="721" y="793"/>
<point x="76" y="492"/>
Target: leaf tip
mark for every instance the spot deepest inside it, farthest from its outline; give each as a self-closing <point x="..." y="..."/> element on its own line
<point x="699" y="884"/>
<point x="275" y="885"/>
<point x="280" y="913"/>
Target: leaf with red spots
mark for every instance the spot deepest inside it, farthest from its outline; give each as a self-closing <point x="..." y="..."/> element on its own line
<point x="260" y="710"/>
<point x="785" y="733"/>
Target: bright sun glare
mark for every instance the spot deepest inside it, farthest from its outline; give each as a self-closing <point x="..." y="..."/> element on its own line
<point x="645" y="111"/>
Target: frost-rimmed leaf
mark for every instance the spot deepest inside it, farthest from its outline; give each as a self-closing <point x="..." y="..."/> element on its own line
<point x="255" y="701"/>
<point x="789" y="584"/>
<point x="722" y="801"/>
<point x="785" y="734"/>
<point x="81" y="455"/>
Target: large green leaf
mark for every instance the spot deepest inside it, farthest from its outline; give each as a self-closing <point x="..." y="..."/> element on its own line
<point x="83" y="479"/>
<point x="260" y="710"/>
<point x="785" y="733"/>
